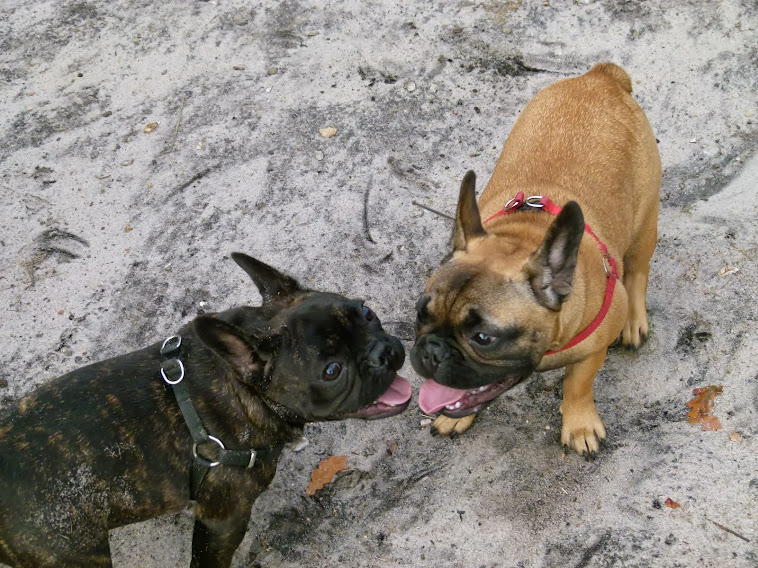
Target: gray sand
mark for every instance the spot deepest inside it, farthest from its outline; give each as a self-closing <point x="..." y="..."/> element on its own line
<point x="419" y="92"/>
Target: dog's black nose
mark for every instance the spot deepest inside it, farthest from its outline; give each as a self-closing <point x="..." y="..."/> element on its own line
<point x="433" y="352"/>
<point x="385" y="354"/>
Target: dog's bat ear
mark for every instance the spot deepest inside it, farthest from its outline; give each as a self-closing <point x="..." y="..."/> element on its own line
<point x="246" y="354"/>
<point x="468" y="223"/>
<point x="550" y="269"/>
<point x="271" y="283"/>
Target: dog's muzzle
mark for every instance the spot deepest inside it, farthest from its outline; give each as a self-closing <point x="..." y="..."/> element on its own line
<point x="385" y="353"/>
<point x="428" y="353"/>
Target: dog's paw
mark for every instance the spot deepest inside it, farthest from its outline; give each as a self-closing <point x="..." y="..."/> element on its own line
<point x="582" y="430"/>
<point x="635" y="333"/>
<point x="452" y="427"/>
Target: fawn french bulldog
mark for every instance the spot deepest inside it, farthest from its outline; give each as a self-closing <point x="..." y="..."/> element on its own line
<point x="551" y="266"/>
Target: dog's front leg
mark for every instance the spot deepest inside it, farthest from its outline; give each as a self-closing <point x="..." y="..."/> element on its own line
<point x="218" y="533"/>
<point x="446" y="426"/>
<point x="582" y="428"/>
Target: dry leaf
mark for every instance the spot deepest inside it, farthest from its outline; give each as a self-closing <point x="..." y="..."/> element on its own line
<point x="701" y="406"/>
<point x="128" y="228"/>
<point x="735" y="437"/>
<point x="325" y="473"/>
<point x="150" y="127"/>
<point x="327" y="132"/>
<point x="669" y="502"/>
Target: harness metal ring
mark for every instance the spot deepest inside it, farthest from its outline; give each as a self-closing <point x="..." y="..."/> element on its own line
<point x="181" y="373"/>
<point x="605" y="266"/>
<point x="168" y="347"/>
<point x="253" y="455"/>
<point x="210" y="439"/>
<point x="513" y="203"/>
<point x="534" y="201"/>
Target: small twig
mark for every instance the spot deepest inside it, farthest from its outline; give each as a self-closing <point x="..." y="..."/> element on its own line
<point x="440" y="213"/>
<point x="197" y="177"/>
<point x="422" y="474"/>
<point x="366" y="230"/>
<point x="730" y="531"/>
<point x="170" y="147"/>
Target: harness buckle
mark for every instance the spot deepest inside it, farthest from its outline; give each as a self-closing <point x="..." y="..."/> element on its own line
<point x="253" y="455"/>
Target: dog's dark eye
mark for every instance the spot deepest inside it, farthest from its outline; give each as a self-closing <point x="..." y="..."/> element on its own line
<point x="332" y="371"/>
<point x="483" y="338"/>
<point x="367" y="313"/>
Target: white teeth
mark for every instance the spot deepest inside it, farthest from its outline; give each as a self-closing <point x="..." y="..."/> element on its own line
<point x="457" y="405"/>
<point x="450" y="407"/>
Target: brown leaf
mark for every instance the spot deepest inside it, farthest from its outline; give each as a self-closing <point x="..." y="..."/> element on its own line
<point x="701" y="406"/>
<point x="325" y="473"/>
<point x="150" y="126"/>
<point x="669" y="502"/>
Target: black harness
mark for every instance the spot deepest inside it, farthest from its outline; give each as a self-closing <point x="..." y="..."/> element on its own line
<point x="172" y="372"/>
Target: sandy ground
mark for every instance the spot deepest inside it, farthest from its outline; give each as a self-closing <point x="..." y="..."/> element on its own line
<point x="419" y="92"/>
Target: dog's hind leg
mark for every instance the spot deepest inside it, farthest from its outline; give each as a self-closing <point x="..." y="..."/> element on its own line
<point x="636" y="327"/>
<point x="636" y="273"/>
<point x="645" y="191"/>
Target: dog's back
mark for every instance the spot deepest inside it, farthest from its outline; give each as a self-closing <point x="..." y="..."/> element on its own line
<point x="588" y="140"/>
<point x="77" y="439"/>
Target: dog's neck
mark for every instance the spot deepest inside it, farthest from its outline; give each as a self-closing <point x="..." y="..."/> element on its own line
<point x="268" y="420"/>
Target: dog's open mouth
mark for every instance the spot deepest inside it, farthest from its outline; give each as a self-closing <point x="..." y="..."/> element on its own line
<point x="456" y="403"/>
<point x="392" y="402"/>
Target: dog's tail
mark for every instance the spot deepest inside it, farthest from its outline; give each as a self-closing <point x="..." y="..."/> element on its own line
<point x="616" y="73"/>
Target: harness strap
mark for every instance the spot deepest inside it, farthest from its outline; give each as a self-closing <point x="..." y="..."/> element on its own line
<point x="541" y="202"/>
<point x="170" y="367"/>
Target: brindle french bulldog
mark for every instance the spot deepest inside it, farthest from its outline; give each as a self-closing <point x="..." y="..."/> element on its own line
<point x="108" y="444"/>
<point x="571" y="207"/>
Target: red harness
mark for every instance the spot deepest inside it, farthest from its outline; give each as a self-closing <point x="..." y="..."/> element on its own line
<point x="544" y="203"/>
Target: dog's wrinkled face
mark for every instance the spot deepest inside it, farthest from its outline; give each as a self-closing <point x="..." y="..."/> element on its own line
<point x="479" y="331"/>
<point x="334" y="361"/>
<point x="311" y="355"/>
<point x="489" y="314"/>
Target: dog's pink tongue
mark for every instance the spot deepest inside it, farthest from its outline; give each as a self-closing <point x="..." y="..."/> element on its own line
<point x="398" y="393"/>
<point x="434" y="396"/>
